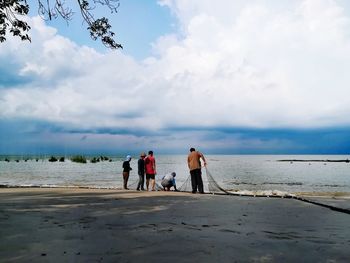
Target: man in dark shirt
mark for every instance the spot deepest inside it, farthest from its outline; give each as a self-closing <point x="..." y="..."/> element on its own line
<point x="126" y="171"/>
<point x="141" y="172"/>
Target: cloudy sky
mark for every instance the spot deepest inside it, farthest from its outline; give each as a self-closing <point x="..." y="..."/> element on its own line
<point x="264" y="76"/>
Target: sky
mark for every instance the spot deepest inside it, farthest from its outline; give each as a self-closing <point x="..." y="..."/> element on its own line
<point x="230" y="77"/>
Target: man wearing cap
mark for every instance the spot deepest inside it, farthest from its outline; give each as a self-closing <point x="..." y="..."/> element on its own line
<point x="168" y="181"/>
<point x="150" y="165"/>
<point x="126" y="171"/>
<point x="194" y="164"/>
<point x="141" y="171"/>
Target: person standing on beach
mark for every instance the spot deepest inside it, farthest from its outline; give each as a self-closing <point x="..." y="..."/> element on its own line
<point x="150" y="165"/>
<point x="194" y="164"/>
<point x="141" y="172"/>
<point x="126" y="171"/>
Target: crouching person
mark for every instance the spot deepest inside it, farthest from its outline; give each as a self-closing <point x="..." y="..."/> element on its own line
<point x="168" y="181"/>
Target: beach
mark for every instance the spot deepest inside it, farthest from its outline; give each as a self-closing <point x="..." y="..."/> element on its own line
<point x="99" y="225"/>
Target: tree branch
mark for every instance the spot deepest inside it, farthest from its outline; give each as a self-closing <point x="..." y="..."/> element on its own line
<point x="99" y="28"/>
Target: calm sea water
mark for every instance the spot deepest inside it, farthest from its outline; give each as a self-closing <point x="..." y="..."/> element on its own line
<point x="233" y="172"/>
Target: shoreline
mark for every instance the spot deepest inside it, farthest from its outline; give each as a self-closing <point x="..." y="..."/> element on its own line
<point x="252" y="193"/>
<point x="96" y="225"/>
<point x="337" y="201"/>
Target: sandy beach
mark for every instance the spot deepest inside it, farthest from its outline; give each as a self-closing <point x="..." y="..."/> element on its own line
<point x="87" y="225"/>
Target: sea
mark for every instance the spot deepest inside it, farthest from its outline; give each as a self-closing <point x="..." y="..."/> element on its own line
<point x="236" y="173"/>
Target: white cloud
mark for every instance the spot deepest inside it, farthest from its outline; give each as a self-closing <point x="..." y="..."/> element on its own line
<point x="235" y="63"/>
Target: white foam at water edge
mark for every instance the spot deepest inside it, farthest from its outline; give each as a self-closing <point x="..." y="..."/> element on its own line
<point x="276" y="193"/>
<point x="55" y="186"/>
<point x="79" y="186"/>
<point x="48" y="186"/>
<point x="29" y="186"/>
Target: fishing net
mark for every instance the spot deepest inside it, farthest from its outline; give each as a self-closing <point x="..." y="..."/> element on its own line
<point x="133" y="185"/>
<point x="209" y="184"/>
<point x="213" y="186"/>
<point x="186" y="186"/>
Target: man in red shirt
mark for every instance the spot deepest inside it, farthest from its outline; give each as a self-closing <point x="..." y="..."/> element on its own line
<point x="150" y="167"/>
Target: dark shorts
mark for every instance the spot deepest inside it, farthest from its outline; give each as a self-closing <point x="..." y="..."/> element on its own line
<point x="150" y="176"/>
